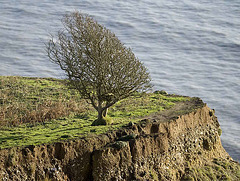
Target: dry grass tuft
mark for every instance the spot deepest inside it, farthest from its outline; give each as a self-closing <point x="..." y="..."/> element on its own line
<point x="34" y="100"/>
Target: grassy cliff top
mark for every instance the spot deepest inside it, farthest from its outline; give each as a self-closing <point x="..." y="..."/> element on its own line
<point x="43" y="110"/>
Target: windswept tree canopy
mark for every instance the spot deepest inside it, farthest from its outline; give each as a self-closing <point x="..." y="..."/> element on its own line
<point x="96" y="63"/>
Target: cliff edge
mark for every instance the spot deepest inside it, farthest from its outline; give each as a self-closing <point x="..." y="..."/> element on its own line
<point x="182" y="143"/>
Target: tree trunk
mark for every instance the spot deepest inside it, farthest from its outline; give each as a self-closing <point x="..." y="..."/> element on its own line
<point x="100" y="120"/>
<point x="100" y="112"/>
<point x="100" y="115"/>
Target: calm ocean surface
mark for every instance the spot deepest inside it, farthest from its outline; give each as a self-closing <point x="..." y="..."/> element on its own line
<point x="190" y="47"/>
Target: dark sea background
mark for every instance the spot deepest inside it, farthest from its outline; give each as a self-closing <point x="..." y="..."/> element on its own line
<point x="190" y="47"/>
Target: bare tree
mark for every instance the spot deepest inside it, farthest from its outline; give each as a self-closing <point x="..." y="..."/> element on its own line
<point x="96" y="63"/>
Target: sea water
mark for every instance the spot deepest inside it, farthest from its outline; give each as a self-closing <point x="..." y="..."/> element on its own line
<point x="190" y="47"/>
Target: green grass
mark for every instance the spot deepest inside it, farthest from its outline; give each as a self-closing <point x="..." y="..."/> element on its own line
<point x="36" y="111"/>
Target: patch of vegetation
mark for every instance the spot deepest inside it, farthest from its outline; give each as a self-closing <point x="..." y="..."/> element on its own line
<point x="153" y="174"/>
<point x="219" y="169"/>
<point x="42" y="110"/>
<point x="219" y="131"/>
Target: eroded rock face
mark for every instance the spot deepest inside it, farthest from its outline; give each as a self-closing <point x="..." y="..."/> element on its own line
<point x="175" y="149"/>
<point x="164" y="150"/>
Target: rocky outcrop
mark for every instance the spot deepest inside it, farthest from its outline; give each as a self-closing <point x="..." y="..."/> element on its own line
<point x="174" y="145"/>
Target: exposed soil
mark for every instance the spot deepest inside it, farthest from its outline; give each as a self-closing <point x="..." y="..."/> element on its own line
<point x="180" y="108"/>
